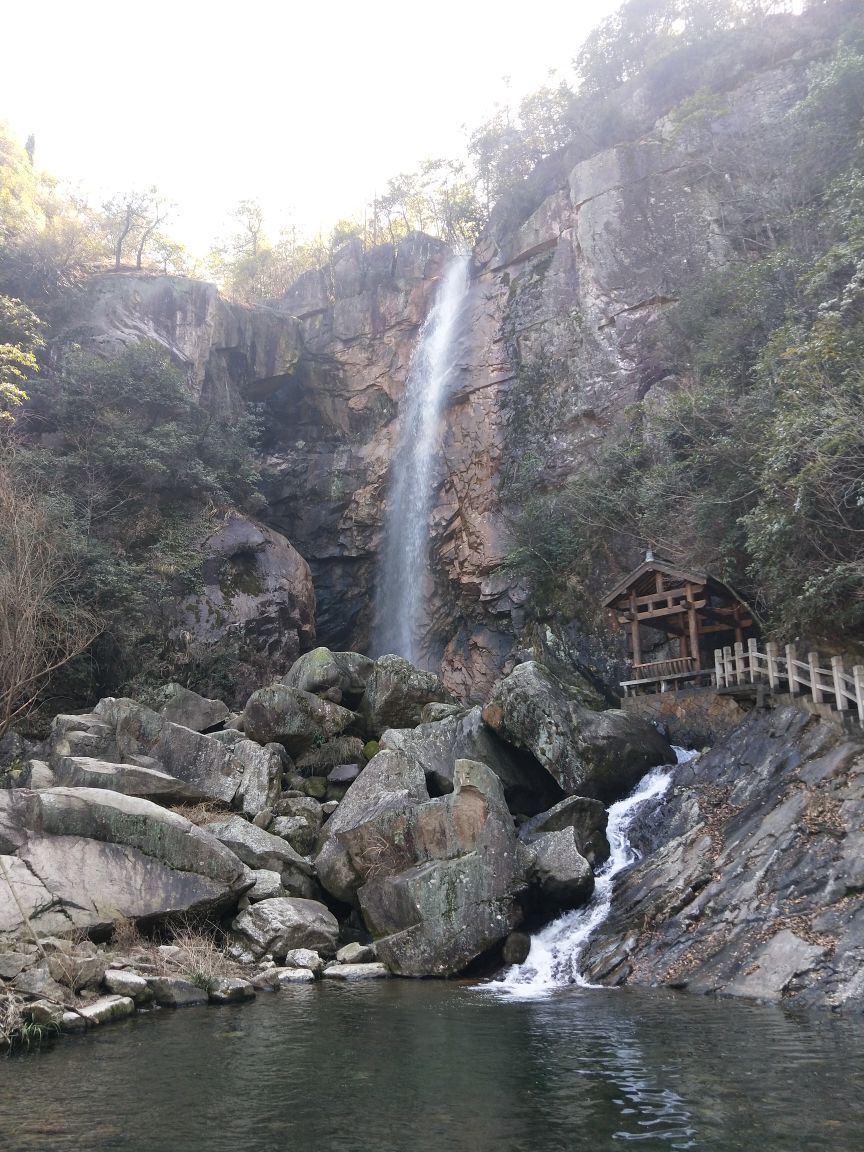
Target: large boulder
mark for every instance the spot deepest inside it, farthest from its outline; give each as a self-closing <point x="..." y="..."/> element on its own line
<point x="261" y="784"/>
<point x="587" y="818"/>
<point x="390" y="782"/>
<point x="560" y="874"/>
<point x="297" y="720"/>
<point x="185" y="707"/>
<point x="278" y="926"/>
<point x="396" y="693"/>
<point x="462" y="735"/>
<point x="255" y="612"/>
<point x="86" y="857"/>
<point x="258" y="849"/>
<point x="441" y="878"/>
<point x="130" y="779"/>
<point x="597" y="754"/>
<point x="340" y="676"/>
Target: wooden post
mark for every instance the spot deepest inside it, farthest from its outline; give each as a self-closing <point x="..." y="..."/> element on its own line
<point x="634" y="631"/>
<point x="739" y="631"/>
<point x="753" y="659"/>
<point x="694" y="628"/>
<point x="719" y="674"/>
<point x="791" y="660"/>
<point x="815" y="686"/>
<point x="858" y="678"/>
<point x="739" y="662"/>
<point x="771" y="657"/>
<point x="839" y="685"/>
<point x="728" y="665"/>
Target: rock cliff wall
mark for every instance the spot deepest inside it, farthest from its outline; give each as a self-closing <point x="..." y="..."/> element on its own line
<point x="751" y="879"/>
<point x="566" y="325"/>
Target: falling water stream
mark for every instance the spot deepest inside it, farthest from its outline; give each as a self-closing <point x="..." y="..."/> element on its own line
<point x="556" y="951"/>
<point x="403" y="581"/>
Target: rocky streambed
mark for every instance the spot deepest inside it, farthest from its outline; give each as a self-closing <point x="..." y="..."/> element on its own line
<point x="353" y="822"/>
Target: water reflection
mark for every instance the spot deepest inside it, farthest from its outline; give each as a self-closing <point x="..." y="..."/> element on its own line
<point x="432" y="1067"/>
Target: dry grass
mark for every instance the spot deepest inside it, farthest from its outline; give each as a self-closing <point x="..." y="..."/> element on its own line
<point x="202" y="958"/>
<point x="203" y="813"/>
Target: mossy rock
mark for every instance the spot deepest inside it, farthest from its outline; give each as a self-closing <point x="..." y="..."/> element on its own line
<point x="316" y="787"/>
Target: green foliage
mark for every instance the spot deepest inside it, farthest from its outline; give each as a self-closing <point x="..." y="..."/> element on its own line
<point x="137" y="470"/>
<point x="20" y="339"/>
<point x="754" y="466"/>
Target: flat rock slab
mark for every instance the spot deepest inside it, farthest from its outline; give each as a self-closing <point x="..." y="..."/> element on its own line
<point x="130" y="779"/>
<point x="173" y="992"/>
<point x="356" y="972"/>
<point x="107" y="1008"/>
<point x="124" y="983"/>
<point x="86" y="857"/>
<point x="228" y="990"/>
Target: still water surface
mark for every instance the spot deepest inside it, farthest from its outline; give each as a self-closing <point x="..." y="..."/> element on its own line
<point x="431" y="1067"/>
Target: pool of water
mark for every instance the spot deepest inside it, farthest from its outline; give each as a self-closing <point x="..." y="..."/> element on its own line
<point x="435" y="1067"/>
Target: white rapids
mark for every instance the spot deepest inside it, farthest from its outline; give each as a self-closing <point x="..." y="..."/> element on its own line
<point x="556" y="951"/>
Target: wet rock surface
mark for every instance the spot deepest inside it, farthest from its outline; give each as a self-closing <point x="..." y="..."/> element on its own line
<point x="751" y="883"/>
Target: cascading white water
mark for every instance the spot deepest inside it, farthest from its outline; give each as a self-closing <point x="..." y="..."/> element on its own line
<point x="404" y="573"/>
<point x="556" y="952"/>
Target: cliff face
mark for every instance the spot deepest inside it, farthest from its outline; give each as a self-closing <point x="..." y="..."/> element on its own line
<point x="751" y="883"/>
<point x="567" y="323"/>
<point x="331" y="430"/>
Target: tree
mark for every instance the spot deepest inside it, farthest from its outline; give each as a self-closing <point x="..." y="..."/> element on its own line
<point x="134" y="217"/>
<point x="122" y="214"/>
<point x="20" y="338"/>
<point x="43" y="623"/>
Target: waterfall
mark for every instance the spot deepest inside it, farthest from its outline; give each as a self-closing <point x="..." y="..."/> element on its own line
<point x="404" y="572"/>
<point x="556" y="952"/>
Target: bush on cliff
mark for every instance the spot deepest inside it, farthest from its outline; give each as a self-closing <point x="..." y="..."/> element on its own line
<point x="136" y="471"/>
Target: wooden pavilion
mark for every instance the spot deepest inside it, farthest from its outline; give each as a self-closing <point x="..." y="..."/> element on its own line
<point x="692" y="608"/>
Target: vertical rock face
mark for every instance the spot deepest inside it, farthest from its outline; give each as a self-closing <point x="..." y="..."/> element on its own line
<point x="567" y="318"/>
<point x="332" y="428"/>
<point x="567" y="323"/>
<point x="228" y="351"/>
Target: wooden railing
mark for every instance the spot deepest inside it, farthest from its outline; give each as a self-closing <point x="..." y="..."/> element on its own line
<point x="660" y="669"/>
<point x="784" y="672"/>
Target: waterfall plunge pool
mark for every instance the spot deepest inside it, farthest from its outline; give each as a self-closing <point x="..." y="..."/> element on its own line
<point x="543" y="1064"/>
<point x="428" y="1066"/>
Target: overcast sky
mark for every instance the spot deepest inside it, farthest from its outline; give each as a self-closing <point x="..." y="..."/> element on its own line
<point x="307" y="107"/>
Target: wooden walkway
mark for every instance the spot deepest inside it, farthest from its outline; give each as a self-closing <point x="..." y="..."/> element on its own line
<point x="782" y="671"/>
<point x="743" y="666"/>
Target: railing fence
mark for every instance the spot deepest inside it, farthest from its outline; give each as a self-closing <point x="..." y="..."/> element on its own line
<point x="741" y="665"/>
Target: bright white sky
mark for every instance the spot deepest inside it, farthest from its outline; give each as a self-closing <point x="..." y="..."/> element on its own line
<point x="307" y="107"/>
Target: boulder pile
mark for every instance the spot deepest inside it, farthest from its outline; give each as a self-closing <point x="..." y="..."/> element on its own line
<point x="353" y="820"/>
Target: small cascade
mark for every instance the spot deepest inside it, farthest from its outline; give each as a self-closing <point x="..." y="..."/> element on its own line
<point x="404" y="573"/>
<point x="556" y="951"/>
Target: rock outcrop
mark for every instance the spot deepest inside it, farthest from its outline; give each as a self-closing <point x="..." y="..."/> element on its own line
<point x="752" y="882"/>
<point x="254" y="614"/>
<point x="595" y="754"/>
<point x="82" y="858"/>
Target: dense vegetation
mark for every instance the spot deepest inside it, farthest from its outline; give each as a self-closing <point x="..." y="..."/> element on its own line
<point x="754" y="464"/>
<point x="759" y="452"/>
